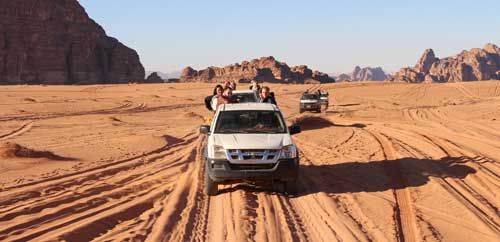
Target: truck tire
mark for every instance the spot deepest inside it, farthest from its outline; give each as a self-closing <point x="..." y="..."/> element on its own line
<point x="211" y="188"/>
<point x="291" y="187"/>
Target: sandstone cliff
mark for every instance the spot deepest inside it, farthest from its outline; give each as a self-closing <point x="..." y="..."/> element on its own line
<point x="265" y="69"/>
<point x="55" y="42"/>
<point x="473" y="65"/>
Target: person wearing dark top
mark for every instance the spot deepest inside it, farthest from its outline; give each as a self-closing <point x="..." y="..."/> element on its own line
<point x="266" y="96"/>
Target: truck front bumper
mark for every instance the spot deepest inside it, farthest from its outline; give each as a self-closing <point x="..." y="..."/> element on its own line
<point x="310" y="107"/>
<point x="223" y="170"/>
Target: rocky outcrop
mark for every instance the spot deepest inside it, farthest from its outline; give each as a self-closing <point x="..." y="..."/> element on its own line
<point x="165" y="75"/>
<point x="425" y="62"/>
<point x="409" y="75"/>
<point x="265" y="69"/>
<point x="343" y="77"/>
<point x="368" y="74"/>
<point x="154" y="78"/>
<point x="322" y="77"/>
<point x="473" y="65"/>
<point x="364" y="74"/>
<point x="55" y="42"/>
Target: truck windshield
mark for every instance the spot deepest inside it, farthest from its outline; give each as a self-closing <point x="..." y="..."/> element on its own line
<point x="309" y="96"/>
<point x="250" y="122"/>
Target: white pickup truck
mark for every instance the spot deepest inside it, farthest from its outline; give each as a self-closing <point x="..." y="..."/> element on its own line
<point x="310" y="102"/>
<point x="249" y="142"/>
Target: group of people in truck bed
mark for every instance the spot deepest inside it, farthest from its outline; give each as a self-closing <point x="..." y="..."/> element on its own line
<point x="223" y="94"/>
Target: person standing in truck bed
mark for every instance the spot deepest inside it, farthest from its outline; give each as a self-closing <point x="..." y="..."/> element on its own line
<point x="266" y="96"/>
<point x="226" y="97"/>
<point x="255" y="86"/>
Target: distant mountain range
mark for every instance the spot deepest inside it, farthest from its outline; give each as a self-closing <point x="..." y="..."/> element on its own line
<point x="167" y="75"/>
<point x="264" y="69"/>
<point x="364" y="74"/>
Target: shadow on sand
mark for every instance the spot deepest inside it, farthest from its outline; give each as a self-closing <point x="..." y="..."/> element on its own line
<point x="13" y="150"/>
<point x="349" y="104"/>
<point x="374" y="176"/>
<point x="317" y="122"/>
<point x="171" y="140"/>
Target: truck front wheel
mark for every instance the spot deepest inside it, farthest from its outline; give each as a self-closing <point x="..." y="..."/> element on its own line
<point x="211" y="187"/>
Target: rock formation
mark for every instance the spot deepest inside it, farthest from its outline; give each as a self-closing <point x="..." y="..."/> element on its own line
<point x="265" y="69"/>
<point x="166" y="75"/>
<point x="154" y="78"/>
<point x="364" y="74"/>
<point x="425" y="62"/>
<point x="55" y="42"/>
<point x="473" y="65"/>
<point x="343" y="77"/>
<point x="368" y="74"/>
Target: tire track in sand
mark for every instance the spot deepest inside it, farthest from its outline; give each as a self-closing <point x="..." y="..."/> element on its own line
<point x="337" y="223"/>
<point x="473" y="200"/>
<point x="404" y="214"/>
<point x="21" y="130"/>
<point x="101" y="202"/>
<point x="475" y="194"/>
<point x="180" y="216"/>
<point x="125" y="108"/>
<point x="120" y="165"/>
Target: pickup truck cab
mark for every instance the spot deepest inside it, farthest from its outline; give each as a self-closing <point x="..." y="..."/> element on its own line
<point x="249" y="142"/>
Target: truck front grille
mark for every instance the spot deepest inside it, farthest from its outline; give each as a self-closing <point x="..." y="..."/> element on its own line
<point x="247" y="167"/>
<point x="247" y="154"/>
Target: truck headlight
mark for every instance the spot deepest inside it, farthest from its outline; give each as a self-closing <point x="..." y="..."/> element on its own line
<point x="219" y="152"/>
<point x="288" y="152"/>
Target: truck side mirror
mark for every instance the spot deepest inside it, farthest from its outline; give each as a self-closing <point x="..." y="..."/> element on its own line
<point x="295" y="129"/>
<point x="204" y="129"/>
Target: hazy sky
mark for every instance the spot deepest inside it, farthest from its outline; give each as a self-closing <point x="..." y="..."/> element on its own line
<point x="329" y="35"/>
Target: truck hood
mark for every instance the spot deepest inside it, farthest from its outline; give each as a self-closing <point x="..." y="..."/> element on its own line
<point x="251" y="141"/>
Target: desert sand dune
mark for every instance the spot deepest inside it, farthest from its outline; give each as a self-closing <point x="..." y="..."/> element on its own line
<point x="384" y="162"/>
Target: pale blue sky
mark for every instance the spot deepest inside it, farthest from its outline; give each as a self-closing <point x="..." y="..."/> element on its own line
<point x="331" y="36"/>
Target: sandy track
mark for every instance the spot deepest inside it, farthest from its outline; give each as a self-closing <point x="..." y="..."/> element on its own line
<point x="385" y="162"/>
<point x="19" y="131"/>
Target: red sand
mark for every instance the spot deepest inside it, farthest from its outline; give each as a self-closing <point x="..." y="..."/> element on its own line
<point x="385" y="162"/>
